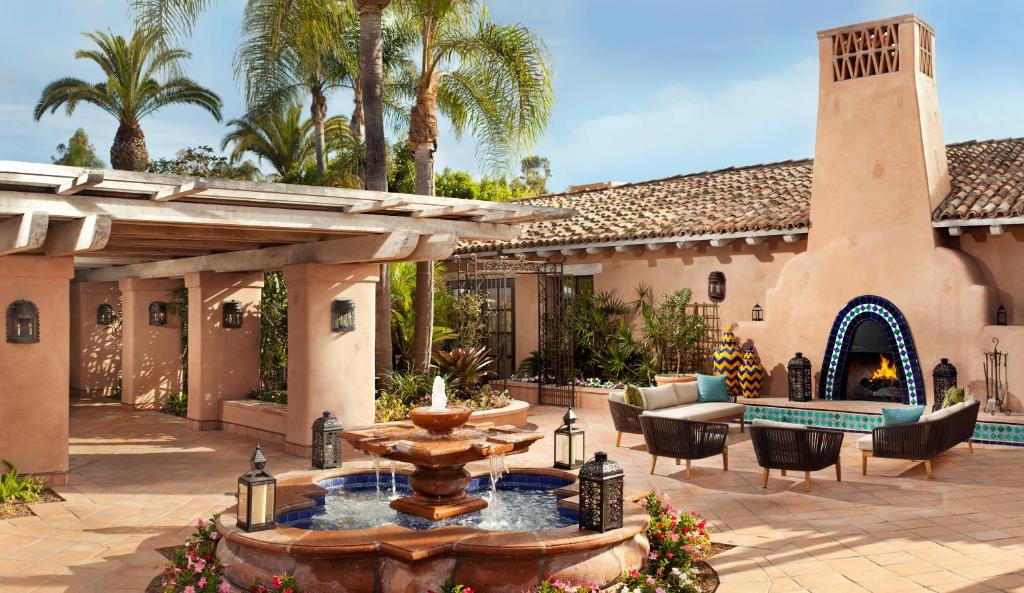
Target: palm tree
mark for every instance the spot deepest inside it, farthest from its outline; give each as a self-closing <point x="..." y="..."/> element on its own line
<point x="130" y="90"/>
<point x="493" y="80"/>
<point x="282" y="137"/>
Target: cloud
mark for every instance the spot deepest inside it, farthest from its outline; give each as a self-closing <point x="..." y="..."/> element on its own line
<point x="680" y="129"/>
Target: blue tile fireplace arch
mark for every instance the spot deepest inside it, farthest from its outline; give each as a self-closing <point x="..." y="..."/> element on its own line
<point x="901" y="344"/>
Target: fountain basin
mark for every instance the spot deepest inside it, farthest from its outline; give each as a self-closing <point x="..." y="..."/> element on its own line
<point x="439" y="422"/>
<point x="395" y="559"/>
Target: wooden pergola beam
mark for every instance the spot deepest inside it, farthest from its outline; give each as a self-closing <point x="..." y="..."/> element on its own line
<point x="445" y="211"/>
<point x="80" y="235"/>
<point x="400" y="246"/>
<point x="83" y="181"/>
<point x="251" y="217"/>
<point x="23" y="232"/>
<point x="377" y="206"/>
<point x="174" y="192"/>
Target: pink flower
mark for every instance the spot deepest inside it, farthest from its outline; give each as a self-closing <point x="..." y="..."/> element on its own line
<point x="650" y="581"/>
<point x="199" y="566"/>
<point x="215" y="535"/>
<point x="200" y="522"/>
<point x="189" y="589"/>
<point x="659" y="590"/>
<point x="201" y="582"/>
<point x="224" y="587"/>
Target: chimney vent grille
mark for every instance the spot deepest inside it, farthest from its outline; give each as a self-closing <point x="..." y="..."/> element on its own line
<point x="927" y="50"/>
<point x="866" y="52"/>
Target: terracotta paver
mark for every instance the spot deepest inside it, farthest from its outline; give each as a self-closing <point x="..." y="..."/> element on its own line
<point x="141" y="479"/>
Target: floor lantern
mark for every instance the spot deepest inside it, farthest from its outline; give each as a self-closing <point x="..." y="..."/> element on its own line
<point x="600" y="484"/>
<point x="256" y="490"/>
<point x="327" y="441"/>
<point x="799" y="378"/>
<point x="944" y="378"/>
<point x="22" y="323"/>
<point x="570" y="447"/>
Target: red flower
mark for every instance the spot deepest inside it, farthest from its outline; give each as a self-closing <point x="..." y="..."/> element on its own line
<point x="276" y="580"/>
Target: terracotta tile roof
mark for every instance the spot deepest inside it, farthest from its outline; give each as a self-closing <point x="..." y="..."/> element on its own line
<point x="987" y="179"/>
<point x="987" y="182"/>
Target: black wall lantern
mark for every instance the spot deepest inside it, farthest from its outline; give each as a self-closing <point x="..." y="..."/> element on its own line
<point x="326" y="441"/>
<point x="22" y="323"/>
<point x="570" y="446"/>
<point x="943" y="377"/>
<point x="233" y="314"/>
<point x="799" y="378"/>
<point x="757" y="313"/>
<point x="256" y="491"/>
<point x="716" y="287"/>
<point x="105" y="314"/>
<point x="1001" y="315"/>
<point x="600" y="494"/>
<point x="343" y="315"/>
<point x="158" y="313"/>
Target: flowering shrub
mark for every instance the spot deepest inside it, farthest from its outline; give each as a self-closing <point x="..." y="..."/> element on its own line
<point x="677" y="540"/>
<point x="598" y="383"/>
<point x="560" y="586"/>
<point x="196" y="569"/>
<point x="450" y="586"/>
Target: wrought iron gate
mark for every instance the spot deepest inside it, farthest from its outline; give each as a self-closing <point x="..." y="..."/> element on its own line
<point x="493" y="279"/>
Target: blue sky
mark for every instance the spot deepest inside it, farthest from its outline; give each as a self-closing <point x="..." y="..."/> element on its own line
<point x="657" y="88"/>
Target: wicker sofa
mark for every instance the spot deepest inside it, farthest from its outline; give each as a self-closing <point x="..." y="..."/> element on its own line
<point x="923" y="440"/>
<point x="795" y="447"/>
<point x="677" y="401"/>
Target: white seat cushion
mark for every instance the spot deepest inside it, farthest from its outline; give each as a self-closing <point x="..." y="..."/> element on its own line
<point x="617" y="396"/>
<point x="957" y="407"/>
<point x="864" y="443"/>
<point x="705" y="411"/>
<point x="657" y="398"/>
<point x="686" y="393"/>
<point x="940" y="414"/>
<point x="763" y="422"/>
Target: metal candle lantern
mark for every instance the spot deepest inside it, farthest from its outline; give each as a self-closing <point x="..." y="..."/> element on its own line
<point x="105" y="314"/>
<point x="799" y="378"/>
<point x="327" y="441"/>
<point x="343" y="316"/>
<point x="600" y="484"/>
<point x="944" y="378"/>
<point x="233" y="314"/>
<point x="716" y="287"/>
<point x="22" y="323"/>
<point x="757" y="313"/>
<point x="256" y="493"/>
<point x="570" y="447"/>
<point x="996" y="375"/>
<point x="158" y="313"/>
<point x="1001" y="315"/>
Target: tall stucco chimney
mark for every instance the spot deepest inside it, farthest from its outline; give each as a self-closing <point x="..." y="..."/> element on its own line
<point x="879" y="157"/>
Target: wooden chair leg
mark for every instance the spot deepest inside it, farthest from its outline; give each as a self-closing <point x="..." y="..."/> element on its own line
<point x="687" y="474"/>
<point x="764" y="484"/>
<point x="783" y="473"/>
<point x="618" y="440"/>
<point x="807" y="481"/>
<point x="741" y="423"/>
<point x="677" y="461"/>
<point x="839" y="471"/>
<point x="864" y="462"/>
<point x="970" y="447"/>
<point x="654" y="462"/>
<point x="928" y="468"/>
<point x="725" y="458"/>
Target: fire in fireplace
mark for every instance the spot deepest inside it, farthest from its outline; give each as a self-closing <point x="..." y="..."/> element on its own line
<point x="882" y="385"/>
<point x="870" y="372"/>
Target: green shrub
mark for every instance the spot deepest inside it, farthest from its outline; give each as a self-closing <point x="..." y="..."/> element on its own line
<point x="954" y="395"/>
<point x="277" y="396"/>
<point x="14" y="487"/>
<point x="463" y="369"/>
<point x="176" y="404"/>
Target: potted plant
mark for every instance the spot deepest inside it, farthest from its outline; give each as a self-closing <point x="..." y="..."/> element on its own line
<point x="670" y="331"/>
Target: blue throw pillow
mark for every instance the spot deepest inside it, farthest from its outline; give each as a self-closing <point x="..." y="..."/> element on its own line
<point x="897" y="416"/>
<point x="711" y="388"/>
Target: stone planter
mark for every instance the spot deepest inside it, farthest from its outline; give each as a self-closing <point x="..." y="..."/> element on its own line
<point x="393" y="559"/>
<point x="667" y="379"/>
<point x="515" y="414"/>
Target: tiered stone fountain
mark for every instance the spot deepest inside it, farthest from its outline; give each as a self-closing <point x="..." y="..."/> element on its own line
<point x="439" y="443"/>
<point x="336" y="533"/>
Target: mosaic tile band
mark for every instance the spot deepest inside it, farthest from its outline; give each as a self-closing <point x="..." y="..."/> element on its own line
<point x="901" y="345"/>
<point x="995" y="433"/>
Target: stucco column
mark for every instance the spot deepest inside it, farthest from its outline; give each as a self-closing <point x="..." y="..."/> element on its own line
<point x="95" y="348"/>
<point x="34" y="396"/>
<point x="150" y="354"/>
<point x="328" y="370"/>
<point x="223" y="363"/>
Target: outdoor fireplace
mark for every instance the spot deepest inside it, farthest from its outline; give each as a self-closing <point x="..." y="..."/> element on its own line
<point x="871" y="356"/>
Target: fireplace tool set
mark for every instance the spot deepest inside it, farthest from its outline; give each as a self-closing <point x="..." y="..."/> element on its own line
<point x="996" y="388"/>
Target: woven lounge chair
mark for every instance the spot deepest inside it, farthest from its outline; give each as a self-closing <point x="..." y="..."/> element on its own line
<point x="796" y="449"/>
<point x="684" y="439"/>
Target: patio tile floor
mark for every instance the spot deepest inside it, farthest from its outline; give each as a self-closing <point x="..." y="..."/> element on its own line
<point x="141" y="479"/>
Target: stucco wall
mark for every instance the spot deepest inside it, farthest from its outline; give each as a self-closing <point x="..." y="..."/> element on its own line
<point x="34" y="391"/>
<point x="95" y="349"/>
<point x="150" y="354"/>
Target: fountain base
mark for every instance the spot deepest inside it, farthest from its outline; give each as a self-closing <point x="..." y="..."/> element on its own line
<point x="437" y="510"/>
